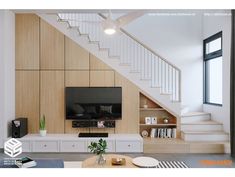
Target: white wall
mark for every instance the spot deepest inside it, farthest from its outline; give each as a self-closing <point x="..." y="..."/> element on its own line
<point x="213" y="23"/>
<point x="7" y="71"/>
<point x="177" y="38"/>
<point x="1" y="79"/>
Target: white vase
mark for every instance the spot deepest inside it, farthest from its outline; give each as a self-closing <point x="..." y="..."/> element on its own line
<point x="43" y="132"/>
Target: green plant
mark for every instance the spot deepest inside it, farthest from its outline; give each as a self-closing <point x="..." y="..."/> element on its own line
<point x="42" y="123"/>
<point x="98" y="148"/>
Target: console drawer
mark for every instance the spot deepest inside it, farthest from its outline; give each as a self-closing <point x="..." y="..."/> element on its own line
<point x="128" y="146"/>
<point x="110" y="145"/>
<point x="26" y="146"/>
<point x="73" y="146"/>
<point x="45" y="146"/>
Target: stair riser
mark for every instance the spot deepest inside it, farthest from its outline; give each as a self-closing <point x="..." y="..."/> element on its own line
<point x="205" y="137"/>
<point x="202" y="127"/>
<point x="190" y="119"/>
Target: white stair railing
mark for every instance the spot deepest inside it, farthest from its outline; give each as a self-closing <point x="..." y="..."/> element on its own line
<point x="130" y="51"/>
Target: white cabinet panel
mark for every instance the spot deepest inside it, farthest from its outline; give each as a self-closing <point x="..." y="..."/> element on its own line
<point x="110" y="145"/>
<point x="73" y="146"/>
<point x="45" y="146"/>
<point x="128" y="146"/>
<point x="26" y="146"/>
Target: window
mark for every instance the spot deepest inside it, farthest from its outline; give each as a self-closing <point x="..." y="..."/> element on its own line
<point x="213" y="63"/>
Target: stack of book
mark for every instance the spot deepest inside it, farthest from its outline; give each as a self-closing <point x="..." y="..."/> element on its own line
<point x="25" y="162"/>
<point x="163" y="133"/>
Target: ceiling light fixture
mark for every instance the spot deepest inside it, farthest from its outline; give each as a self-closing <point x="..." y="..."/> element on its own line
<point x="110" y="31"/>
<point x="109" y="26"/>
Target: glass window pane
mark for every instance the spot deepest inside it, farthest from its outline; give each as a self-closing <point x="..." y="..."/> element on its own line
<point x="214" y="80"/>
<point x="213" y="46"/>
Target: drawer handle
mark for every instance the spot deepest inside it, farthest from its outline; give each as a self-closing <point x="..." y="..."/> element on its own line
<point x="73" y="145"/>
<point x="129" y="145"/>
<point x="45" y="145"/>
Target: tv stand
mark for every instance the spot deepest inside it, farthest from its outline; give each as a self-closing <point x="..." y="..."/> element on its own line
<point x="87" y="135"/>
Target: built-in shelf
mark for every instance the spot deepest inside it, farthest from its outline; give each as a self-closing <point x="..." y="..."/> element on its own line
<point x="152" y="109"/>
<point x="157" y="124"/>
<point x="149" y="109"/>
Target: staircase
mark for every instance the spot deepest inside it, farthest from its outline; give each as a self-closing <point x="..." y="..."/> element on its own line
<point x="155" y="76"/>
<point x="199" y="129"/>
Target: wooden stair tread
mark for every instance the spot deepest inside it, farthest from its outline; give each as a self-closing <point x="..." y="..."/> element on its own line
<point x="189" y="114"/>
<point x="205" y="132"/>
<point x="209" y="122"/>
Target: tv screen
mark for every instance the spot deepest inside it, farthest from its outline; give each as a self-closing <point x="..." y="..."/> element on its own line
<point x="98" y="103"/>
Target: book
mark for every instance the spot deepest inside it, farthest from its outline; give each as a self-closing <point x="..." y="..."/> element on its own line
<point x="169" y="133"/>
<point x="174" y="133"/>
<point x="25" y="162"/>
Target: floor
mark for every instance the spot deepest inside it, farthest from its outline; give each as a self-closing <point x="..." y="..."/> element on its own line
<point x="192" y="160"/>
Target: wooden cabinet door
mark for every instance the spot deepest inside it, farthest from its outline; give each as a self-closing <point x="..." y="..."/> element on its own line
<point x="101" y="78"/>
<point x="97" y="64"/>
<point x="52" y="100"/>
<point x="27" y="98"/>
<point x="27" y="41"/>
<point x="75" y="56"/>
<point x="51" y="47"/>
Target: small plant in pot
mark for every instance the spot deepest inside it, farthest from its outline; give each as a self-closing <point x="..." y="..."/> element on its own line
<point x="99" y="149"/>
<point x="42" y="126"/>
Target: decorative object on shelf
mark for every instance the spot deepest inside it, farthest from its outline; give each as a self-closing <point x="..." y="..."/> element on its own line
<point x="100" y="124"/>
<point x="144" y="133"/>
<point x="118" y="161"/>
<point x="148" y="120"/>
<point x="42" y="126"/>
<point x="153" y="120"/>
<point x="99" y="149"/>
<point x="165" y="120"/>
<point x="145" y="104"/>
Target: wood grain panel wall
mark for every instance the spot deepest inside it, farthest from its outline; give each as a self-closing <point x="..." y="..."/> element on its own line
<point x="27" y="98"/>
<point x="130" y="106"/>
<point x="51" y="47"/>
<point x="27" y="41"/>
<point x="61" y="63"/>
<point x="76" y="58"/>
<point x="97" y="64"/>
<point x="102" y="78"/>
<point x="52" y="100"/>
<point x="77" y="78"/>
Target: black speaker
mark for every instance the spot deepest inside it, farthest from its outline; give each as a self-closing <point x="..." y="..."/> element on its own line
<point x="19" y="127"/>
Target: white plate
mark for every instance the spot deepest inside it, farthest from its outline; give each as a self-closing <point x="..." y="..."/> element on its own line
<point x="146" y="162"/>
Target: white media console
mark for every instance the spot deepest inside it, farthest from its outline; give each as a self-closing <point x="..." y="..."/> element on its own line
<point x="73" y="143"/>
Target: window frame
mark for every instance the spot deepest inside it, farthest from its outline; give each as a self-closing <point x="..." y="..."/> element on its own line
<point x="206" y="58"/>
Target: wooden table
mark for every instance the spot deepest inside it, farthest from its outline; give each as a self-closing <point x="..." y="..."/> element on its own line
<point x="91" y="162"/>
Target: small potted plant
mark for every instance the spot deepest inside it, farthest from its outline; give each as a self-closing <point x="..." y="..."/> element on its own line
<point x="42" y="126"/>
<point x="99" y="149"/>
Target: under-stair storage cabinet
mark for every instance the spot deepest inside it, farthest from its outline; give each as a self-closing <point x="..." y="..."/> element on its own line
<point x="27" y="98"/>
<point x="27" y="41"/>
<point x="52" y="100"/>
<point x="51" y="47"/>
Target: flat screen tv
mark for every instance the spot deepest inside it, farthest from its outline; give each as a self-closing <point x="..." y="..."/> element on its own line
<point x="93" y="103"/>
